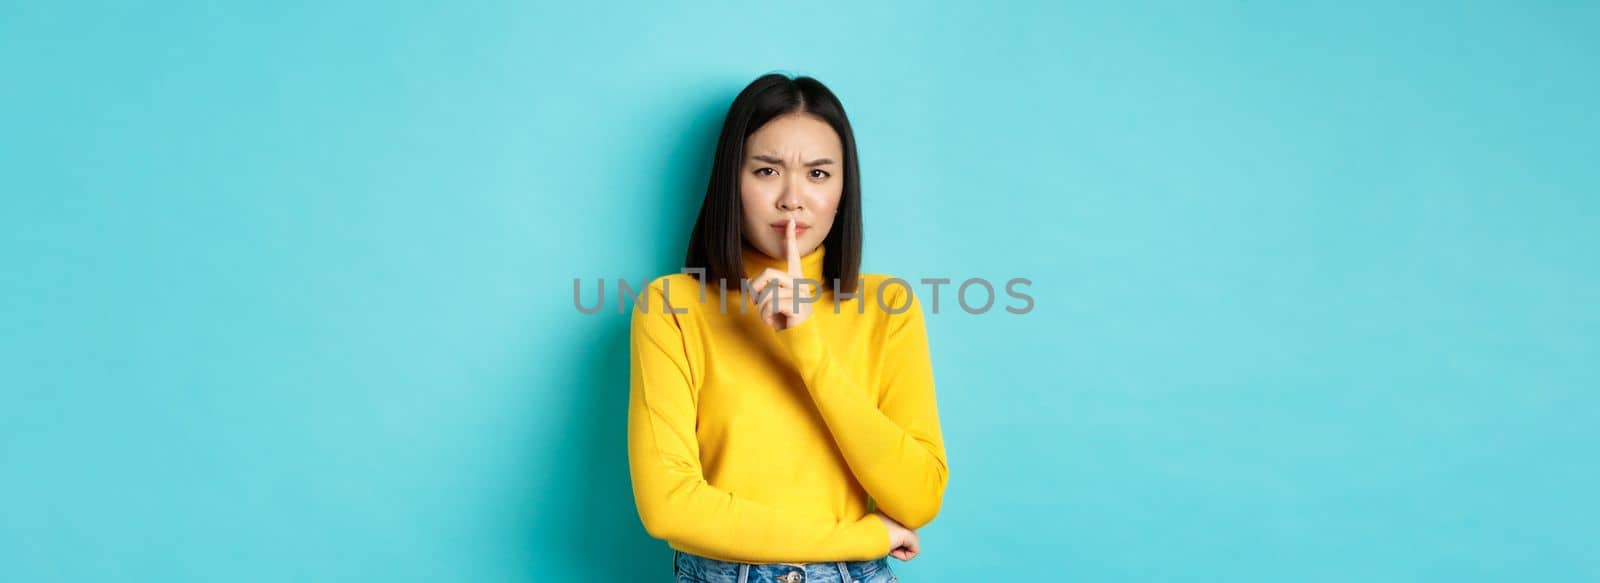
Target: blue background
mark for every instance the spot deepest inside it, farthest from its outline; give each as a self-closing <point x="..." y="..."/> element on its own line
<point x="288" y="286"/>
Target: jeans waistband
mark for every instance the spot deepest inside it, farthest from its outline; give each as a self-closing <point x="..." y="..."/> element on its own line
<point x="718" y="571"/>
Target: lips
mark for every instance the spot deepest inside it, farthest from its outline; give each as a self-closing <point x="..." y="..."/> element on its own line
<point x="783" y="226"/>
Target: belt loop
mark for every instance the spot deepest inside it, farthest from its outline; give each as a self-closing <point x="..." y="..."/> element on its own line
<point x="744" y="573"/>
<point x="844" y="572"/>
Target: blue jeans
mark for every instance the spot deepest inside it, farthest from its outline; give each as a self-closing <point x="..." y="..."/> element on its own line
<point x="697" y="569"/>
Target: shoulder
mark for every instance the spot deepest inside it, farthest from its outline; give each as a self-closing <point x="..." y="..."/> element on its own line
<point x="680" y="292"/>
<point x="671" y="283"/>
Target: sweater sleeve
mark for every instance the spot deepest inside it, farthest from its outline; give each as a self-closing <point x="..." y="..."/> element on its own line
<point x="890" y="437"/>
<point x="674" y="500"/>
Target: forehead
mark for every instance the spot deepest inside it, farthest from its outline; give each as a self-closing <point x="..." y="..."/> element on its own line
<point x="794" y="133"/>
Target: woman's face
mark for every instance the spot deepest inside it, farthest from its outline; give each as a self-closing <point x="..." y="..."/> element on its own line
<point x="793" y="168"/>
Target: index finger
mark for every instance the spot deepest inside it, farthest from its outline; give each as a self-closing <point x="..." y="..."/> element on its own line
<point x="794" y="249"/>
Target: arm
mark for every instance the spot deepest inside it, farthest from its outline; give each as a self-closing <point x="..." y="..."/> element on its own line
<point x="892" y="443"/>
<point x="674" y="499"/>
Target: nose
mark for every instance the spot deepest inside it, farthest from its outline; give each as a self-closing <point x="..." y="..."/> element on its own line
<point x="789" y="197"/>
<point x="788" y="201"/>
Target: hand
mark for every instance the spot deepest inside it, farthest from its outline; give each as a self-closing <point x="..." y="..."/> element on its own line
<point x="779" y="307"/>
<point x="903" y="542"/>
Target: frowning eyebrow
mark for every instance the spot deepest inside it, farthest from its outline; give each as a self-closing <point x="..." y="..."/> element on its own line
<point x="779" y="161"/>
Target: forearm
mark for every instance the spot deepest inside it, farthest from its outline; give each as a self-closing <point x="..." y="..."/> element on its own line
<point x="900" y="463"/>
<point x="676" y="504"/>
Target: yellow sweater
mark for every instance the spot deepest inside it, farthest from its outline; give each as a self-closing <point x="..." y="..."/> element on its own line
<point x="762" y="446"/>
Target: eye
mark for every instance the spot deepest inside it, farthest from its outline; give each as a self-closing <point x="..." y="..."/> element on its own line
<point x="765" y="171"/>
<point x="820" y="174"/>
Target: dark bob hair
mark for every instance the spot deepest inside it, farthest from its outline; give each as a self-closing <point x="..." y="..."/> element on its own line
<point x="719" y="231"/>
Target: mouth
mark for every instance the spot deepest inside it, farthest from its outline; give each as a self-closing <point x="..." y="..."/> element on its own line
<point x="782" y="228"/>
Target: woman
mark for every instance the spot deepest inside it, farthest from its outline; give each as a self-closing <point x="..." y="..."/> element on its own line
<point x="781" y="419"/>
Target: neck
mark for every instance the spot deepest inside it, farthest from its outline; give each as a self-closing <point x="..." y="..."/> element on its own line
<point x="755" y="262"/>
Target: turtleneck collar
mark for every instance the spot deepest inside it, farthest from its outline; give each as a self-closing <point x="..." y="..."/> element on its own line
<point x="755" y="262"/>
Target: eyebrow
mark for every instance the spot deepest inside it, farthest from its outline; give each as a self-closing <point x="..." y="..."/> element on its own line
<point x="779" y="161"/>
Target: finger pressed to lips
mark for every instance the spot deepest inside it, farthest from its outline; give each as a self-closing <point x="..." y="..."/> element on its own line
<point x="793" y="249"/>
<point x="782" y="229"/>
<point x="783" y="304"/>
